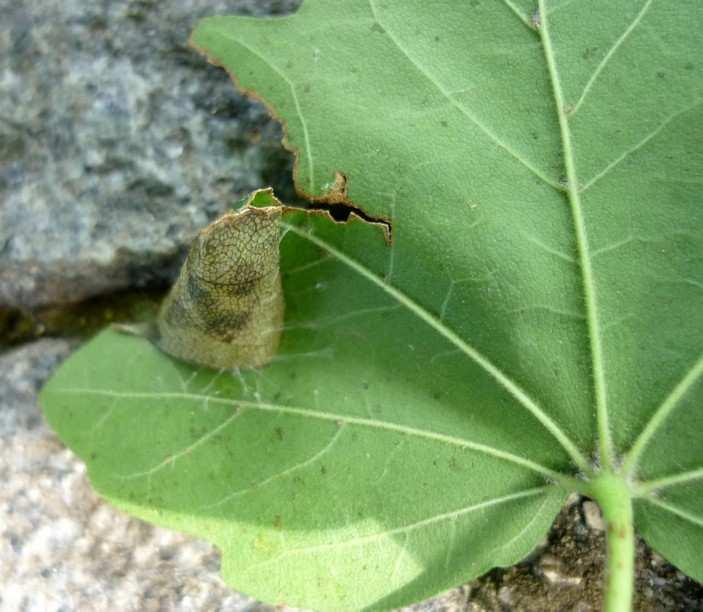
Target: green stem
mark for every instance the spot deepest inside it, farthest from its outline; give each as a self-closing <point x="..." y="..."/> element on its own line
<point x="614" y="497"/>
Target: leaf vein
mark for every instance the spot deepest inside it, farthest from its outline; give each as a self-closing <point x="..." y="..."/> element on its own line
<point x="516" y="11"/>
<point x="607" y="57"/>
<point x="460" y="107"/>
<point x="579" y="224"/>
<point x="536" y="515"/>
<point x="680" y="512"/>
<point x="296" y="103"/>
<point x="563" y="479"/>
<point x="638" y="146"/>
<point x="661" y="414"/>
<point x="171" y="459"/>
<point x="644" y="488"/>
<point x="548" y="249"/>
<point x="406" y="529"/>
<point x="282" y="474"/>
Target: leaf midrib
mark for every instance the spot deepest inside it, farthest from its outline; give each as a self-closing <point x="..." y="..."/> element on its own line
<point x="564" y="480"/>
<point x="574" y="191"/>
<point x="605" y="444"/>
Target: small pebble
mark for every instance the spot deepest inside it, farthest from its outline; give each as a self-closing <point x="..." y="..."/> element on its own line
<point x="593" y="516"/>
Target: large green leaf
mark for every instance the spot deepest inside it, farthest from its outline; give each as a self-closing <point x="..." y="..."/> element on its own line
<point x="538" y="314"/>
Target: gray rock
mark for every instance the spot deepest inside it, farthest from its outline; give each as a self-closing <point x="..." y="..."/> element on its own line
<point x="117" y="142"/>
<point x="22" y="372"/>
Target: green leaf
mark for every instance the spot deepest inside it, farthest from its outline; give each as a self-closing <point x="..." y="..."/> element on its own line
<point x="537" y="318"/>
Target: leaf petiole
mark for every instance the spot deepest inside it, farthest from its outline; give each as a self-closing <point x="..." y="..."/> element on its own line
<point x="613" y="495"/>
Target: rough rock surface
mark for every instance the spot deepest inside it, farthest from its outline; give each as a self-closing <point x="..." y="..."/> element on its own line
<point x="117" y="142"/>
